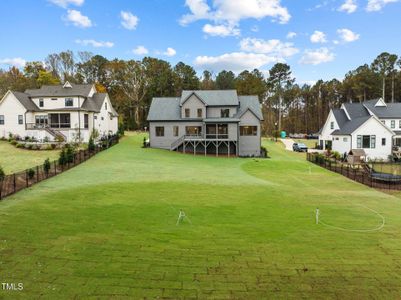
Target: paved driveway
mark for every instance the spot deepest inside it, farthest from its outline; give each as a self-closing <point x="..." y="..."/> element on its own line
<point x="288" y="145"/>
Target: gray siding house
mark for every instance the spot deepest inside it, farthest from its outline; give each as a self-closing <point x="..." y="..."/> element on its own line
<point x="207" y="122"/>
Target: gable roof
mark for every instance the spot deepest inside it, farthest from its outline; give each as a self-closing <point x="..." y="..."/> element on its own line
<point x="165" y="109"/>
<point x="340" y="116"/>
<point x="350" y="126"/>
<point x="25" y="101"/>
<point x="356" y="110"/>
<point x="391" y="110"/>
<point x="213" y="97"/>
<point x="60" y="90"/>
<point x="249" y="103"/>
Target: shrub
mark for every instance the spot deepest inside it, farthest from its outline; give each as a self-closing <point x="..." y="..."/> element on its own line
<point x="319" y="158"/>
<point x="35" y="147"/>
<point x="91" y="144"/>
<point x="46" y="166"/>
<point x="31" y="173"/>
<point x="336" y="155"/>
<point x="2" y="174"/>
<point x="19" y="145"/>
<point x="69" y="153"/>
<point x="46" y="139"/>
<point x="263" y="152"/>
<point x="62" y="160"/>
<point x="49" y="147"/>
<point x="53" y="146"/>
<point x="13" y="142"/>
<point x="26" y="138"/>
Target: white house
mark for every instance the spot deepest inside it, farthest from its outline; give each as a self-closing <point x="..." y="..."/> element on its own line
<point x="374" y="126"/>
<point x="69" y="112"/>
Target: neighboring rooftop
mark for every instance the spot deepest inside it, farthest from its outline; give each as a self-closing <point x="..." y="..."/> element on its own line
<point x="68" y="89"/>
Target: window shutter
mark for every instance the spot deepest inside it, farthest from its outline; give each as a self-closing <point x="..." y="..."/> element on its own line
<point x="359" y="141"/>
<point x="373" y="141"/>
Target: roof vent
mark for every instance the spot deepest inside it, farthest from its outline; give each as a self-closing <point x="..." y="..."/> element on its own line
<point x="380" y="102"/>
<point x="67" y="85"/>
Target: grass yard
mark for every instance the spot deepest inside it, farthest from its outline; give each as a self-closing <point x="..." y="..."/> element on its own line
<point x="107" y="229"/>
<point x="13" y="159"/>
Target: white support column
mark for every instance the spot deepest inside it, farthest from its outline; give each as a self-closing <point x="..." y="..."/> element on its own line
<point x="228" y="149"/>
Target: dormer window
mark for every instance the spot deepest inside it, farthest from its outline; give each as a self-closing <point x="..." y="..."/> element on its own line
<point x="331" y="125"/>
<point x="41" y="103"/>
<point x="187" y="113"/>
<point x="225" y="113"/>
<point x="69" y="102"/>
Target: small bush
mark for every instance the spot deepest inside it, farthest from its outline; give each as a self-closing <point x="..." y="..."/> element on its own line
<point x="2" y="174"/>
<point x="35" y="147"/>
<point x="62" y="160"/>
<point x="13" y="142"/>
<point x="31" y="173"/>
<point x="69" y="153"/>
<point x="49" y="147"/>
<point x="46" y="139"/>
<point x="91" y="144"/>
<point x="19" y="145"/>
<point x="336" y="155"/>
<point x="53" y="146"/>
<point x="46" y="166"/>
<point x="263" y="152"/>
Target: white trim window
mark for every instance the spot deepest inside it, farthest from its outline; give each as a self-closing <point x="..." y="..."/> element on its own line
<point x="392" y="124"/>
<point x="366" y="141"/>
<point x="20" y="119"/>
<point x="1" y="119"/>
<point x="159" y="131"/>
<point x="69" y="102"/>
<point x="331" y="125"/>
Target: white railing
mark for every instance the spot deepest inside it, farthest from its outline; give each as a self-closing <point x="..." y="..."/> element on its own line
<point x="177" y="142"/>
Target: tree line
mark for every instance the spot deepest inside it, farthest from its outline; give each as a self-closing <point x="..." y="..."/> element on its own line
<point x="286" y="105"/>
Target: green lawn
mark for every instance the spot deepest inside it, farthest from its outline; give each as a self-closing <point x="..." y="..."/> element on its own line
<point x="13" y="159"/>
<point x="107" y="229"/>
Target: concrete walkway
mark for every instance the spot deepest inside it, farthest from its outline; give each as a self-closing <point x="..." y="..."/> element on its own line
<point x="288" y="143"/>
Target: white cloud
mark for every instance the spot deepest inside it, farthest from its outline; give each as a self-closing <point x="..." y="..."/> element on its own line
<point x="228" y="13"/>
<point x="349" y="6"/>
<point x="291" y="35"/>
<point x="170" y="52"/>
<point x="315" y="57"/>
<point x="221" y="30"/>
<point x="77" y="19"/>
<point x="96" y="44"/>
<point x="16" y="62"/>
<point x="377" y="5"/>
<point x="318" y="37"/>
<point x="275" y="48"/>
<point x="236" y="61"/>
<point x="129" y="21"/>
<point x="347" y="35"/>
<point x="140" y="50"/>
<point x="66" y="3"/>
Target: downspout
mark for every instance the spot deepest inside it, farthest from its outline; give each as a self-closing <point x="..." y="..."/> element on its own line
<point x="79" y="118"/>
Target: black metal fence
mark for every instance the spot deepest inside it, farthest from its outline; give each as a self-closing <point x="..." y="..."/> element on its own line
<point x="359" y="173"/>
<point x="13" y="183"/>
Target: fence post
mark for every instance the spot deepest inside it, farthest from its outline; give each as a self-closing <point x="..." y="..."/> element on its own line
<point x="55" y="168"/>
<point x="14" y="183"/>
<point x="1" y="188"/>
<point x="26" y="178"/>
<point x="37" y="173"/>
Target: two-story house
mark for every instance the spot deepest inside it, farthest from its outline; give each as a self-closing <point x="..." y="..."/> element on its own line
<point x="69" y="112"/>
<point x="208" y="122"/>
<point x="374" y="126"/>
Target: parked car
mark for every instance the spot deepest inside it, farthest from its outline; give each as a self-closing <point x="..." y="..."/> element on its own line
<point x="299" y="147"/>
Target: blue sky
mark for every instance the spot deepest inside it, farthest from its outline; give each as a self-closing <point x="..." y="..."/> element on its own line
<point x="320" y="39"/>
